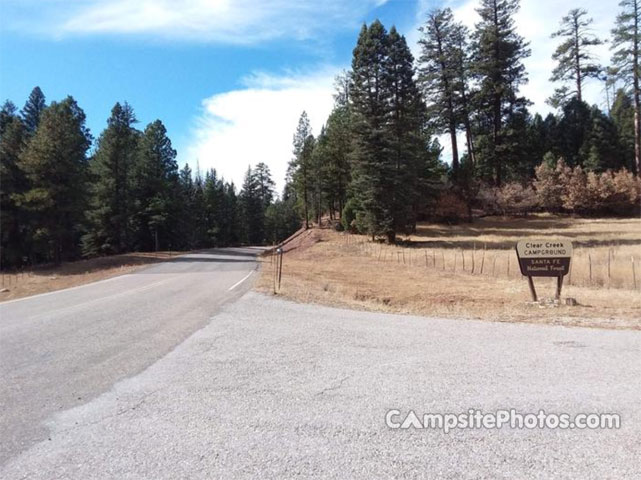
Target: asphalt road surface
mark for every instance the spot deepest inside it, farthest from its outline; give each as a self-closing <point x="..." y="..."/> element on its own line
<point x="62" y="349"/>
<point x="274" y="389"/>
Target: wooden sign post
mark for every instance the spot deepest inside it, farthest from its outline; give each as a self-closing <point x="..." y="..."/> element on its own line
<point x="544" y="258"/>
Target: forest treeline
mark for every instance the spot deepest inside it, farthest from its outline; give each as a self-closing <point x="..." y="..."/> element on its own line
<point x="59" y="203"/>
<point x="375" y="167"/>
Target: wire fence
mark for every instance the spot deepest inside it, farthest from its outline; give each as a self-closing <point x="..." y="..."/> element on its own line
<point x="607" y="267"/>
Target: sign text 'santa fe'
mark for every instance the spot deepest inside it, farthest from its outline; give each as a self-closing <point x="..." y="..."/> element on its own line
<point x="544" y="258"/>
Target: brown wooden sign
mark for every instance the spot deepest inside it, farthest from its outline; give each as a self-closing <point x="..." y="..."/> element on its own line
<point x="544" y="258"/>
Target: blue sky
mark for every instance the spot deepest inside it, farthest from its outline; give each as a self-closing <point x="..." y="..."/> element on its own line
<point x="228" y="78"/>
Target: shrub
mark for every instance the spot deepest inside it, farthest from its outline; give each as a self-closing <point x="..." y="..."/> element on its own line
<point x="348" y="215"/>
<point x="574" y="196"/>
<point x="514" y="198"/>
<point x="548" y="183"/>
<point x="450" y="207"/>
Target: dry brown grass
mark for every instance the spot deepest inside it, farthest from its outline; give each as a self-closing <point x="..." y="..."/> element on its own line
<point x="71" y="274"/>
<point x="426" y="275"/>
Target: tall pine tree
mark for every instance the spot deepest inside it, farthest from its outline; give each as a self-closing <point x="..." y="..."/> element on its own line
<point x="406" y="121"/>
<point x="300" y="166"/>
<point x="13" y="219"/>
<point x="155" y="188"/>
<point x="499" y="52"/>
<point x="338" y="148"/>
<point x="626" y="43"/>
<point x="440" y="74"/>
<point x="56" y="167"/>
<point x="574" y="61"/>
<point x="111" y="166"/>
<point x="33" y="109"/>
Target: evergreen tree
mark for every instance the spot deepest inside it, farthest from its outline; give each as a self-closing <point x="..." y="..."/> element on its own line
<point x="407" y="117"/>
<point x="33" y="109"/>
<point x="600" y="150"/>
<point x="111" y="166"/>
<point x="498" y="67"/>
<point x="622" y="114"/>
<point x="7" y="114"/>
<point x="155" y="188"/>
<point x="281" y="218"/>
<point x="230" y="212"/>
<point x="214" y="194"/>
<point x="372" y="187"/>
<point x="573" y="129"/>
<point x="13" y="221"/>
<point x="187" y="225"/>
<point x="252" y="213"/>
<point x="626" y="45"/>
<point x="299" y="167"/>
<point x="575" y="63"/>
<point x="200" y="211"/>
<point x="55" y="164"/>
<point x="337" y="150"/>
<point x="265" y="184"/>
<point x="318" y="169"/>
<point x="439" y="74"/>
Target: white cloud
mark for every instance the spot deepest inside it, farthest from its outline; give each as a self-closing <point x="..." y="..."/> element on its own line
<point x="220" y="21"/>
<point x="256" y="123"/>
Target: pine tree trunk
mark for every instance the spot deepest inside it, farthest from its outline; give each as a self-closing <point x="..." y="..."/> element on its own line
<point x="450" y="106"/>
<point x="305" y="204"/>
<point x="577" y="61"/>
<point x="637" y="94"/>
<point x="497" y="108"/>
<point x="391" y="237"/>
<point x="469" y="141"/>
<point x="455" y="162"/>
<point x="468" y="127"/>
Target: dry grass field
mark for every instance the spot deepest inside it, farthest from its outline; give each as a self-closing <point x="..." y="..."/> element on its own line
<point x="71" y="274"/>
<point x="471" y="271"/>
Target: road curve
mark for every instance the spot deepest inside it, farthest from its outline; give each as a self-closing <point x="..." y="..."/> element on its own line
<point x="61" y="349"/>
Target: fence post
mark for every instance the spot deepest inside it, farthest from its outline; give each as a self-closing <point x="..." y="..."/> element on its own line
<point x="473" y="259"/>
<point x="274" y="270"/>
<point x="634" y="274"/>
<point x="280" y="269"/>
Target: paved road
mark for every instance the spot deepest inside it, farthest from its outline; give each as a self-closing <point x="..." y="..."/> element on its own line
<point x="273" y="389"/>
<point x="62" y="349"/>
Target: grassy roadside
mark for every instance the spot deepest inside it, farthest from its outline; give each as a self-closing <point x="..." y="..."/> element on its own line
<point x="71" y="274"/>
<point x="427" y="275"/>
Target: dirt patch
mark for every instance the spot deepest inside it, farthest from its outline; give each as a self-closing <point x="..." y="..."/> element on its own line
<point x="463" y="276"/>
<point x="71" y="274"/>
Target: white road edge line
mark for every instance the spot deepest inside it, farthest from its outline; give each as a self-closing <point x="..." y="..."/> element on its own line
<point x="241" y="281"/>
<point x="65" y="289"/>
<point x="91" y="283"/>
